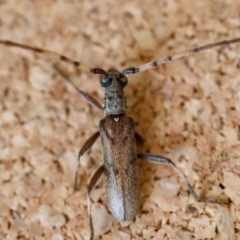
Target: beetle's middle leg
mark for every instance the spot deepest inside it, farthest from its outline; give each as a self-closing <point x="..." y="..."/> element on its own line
<point x="163" y="160"/>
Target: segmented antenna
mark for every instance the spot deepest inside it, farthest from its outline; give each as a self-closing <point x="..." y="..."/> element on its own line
<point x="131" y="70"/>
<point x="56" y="56"/>
<point x="184" y="54"/>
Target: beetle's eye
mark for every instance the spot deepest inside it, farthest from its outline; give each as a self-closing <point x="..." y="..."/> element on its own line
<point x="122" y="80"/>
<point x="106" y="81"/>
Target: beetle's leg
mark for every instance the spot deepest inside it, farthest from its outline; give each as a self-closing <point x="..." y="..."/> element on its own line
<point x="91" y="184"/>
<point x="87" y="145"/>
<point x="163" y="160"/>
<point x="91" y="100"/>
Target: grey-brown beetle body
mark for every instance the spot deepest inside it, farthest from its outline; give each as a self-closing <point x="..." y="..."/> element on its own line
<point x="119" y="153"/>
<point x="119" y="149"/>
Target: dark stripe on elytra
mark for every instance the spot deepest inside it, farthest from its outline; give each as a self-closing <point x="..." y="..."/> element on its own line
<point x="108" y="135"/>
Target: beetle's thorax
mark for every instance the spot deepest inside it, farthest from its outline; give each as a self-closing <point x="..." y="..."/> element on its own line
<point x="114" y="102"/>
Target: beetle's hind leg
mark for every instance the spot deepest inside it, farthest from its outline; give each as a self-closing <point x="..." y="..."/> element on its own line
<point x="163" y="160"/>
<point x="91" y="184"/>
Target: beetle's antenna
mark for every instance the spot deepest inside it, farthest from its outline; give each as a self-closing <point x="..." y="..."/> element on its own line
<point x="184" y="54"/>
<point x="56" y="56"/>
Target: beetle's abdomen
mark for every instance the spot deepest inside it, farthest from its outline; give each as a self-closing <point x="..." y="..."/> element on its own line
<point x="121" y="167"/>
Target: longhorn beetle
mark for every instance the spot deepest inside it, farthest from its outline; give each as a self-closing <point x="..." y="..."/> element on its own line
<point x="118" y="136"/>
